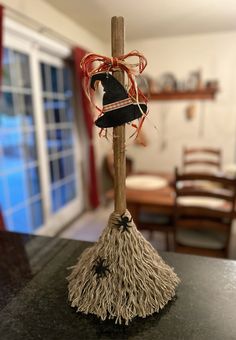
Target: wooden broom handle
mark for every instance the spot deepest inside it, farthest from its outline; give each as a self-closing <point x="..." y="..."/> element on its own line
<point x="117" y="46"/>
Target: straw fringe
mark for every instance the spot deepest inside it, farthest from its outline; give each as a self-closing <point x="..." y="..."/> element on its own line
<point x="138" y="282"/>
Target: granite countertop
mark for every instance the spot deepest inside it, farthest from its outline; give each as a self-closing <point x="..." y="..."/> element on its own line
<point x="33" y="296"/>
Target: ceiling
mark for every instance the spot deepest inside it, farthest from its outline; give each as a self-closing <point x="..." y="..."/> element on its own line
<point x="151" y="18"/>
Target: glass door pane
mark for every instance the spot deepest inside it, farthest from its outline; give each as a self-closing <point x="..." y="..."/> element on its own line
<point x="59" y="117"/>
<point x="20" y="190"/>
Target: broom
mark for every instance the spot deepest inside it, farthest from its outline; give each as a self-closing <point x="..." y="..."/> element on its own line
<point x="121" y="276"/>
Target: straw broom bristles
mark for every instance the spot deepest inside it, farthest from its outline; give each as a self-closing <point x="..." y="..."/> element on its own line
<point x="121" y="276"/>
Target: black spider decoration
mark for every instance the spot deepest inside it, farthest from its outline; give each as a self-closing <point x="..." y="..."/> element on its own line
<point x="123" y="222"/>
<point x="100" y="268"/>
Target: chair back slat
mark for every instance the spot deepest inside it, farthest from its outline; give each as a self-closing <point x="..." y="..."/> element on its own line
<point x="193" y="156"/>
<point x="202" y="150"/>
<point x="201" y="161"/>
<point x="204" y="176"/>
<point x="205" y="193"/>
<point x="207" y="212"/>
<point x="203" y="224"/>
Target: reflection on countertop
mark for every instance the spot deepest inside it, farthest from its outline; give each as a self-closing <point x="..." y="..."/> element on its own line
<point x="34" y="305"/>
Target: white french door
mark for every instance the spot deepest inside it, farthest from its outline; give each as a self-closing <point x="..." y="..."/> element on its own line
<point x="40" y="177"/>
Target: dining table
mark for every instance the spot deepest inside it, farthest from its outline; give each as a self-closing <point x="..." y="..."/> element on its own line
<point x="34" y="296"/>
<point x="157" y="199"/>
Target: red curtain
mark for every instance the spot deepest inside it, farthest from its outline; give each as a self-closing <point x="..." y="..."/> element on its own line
<point x="93" y="190"/>
<point x="2" y="224"/>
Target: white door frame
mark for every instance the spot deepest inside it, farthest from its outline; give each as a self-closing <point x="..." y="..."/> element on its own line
<point x="40" y="48"/>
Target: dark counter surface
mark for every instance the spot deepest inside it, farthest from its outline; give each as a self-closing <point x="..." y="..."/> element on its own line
<point x="33" y="296"/>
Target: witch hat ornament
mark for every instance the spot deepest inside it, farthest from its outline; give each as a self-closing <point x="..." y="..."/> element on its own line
<point x="118" y="107"/>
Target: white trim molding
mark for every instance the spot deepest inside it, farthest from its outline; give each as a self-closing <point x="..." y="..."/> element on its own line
<point x="45" y="44"/>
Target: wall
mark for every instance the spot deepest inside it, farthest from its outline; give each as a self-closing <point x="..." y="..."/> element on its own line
<point x="215" y="121"/>
<point x="215" y="54"/>
<point x="52" y="19"/>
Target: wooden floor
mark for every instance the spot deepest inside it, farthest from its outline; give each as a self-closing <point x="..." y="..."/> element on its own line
<point x="89" y="227"/>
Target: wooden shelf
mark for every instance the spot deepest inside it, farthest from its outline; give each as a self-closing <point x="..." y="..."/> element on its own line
<point x="185" y="95"/>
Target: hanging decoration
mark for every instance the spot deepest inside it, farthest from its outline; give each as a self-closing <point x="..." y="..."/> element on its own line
<point x="190" y="112"/>
<point x="120" y="105"/>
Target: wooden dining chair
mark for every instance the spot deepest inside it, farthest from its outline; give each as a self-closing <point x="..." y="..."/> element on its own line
<point x="209" y="158"/>
<point x="153" y="221"/>
<point x="203" y="215"/>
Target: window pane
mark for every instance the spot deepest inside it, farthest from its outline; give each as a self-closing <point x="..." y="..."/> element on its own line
<point x="32" y="181"/>
<point x="20" y="221"/>
<point x="23" y="61"/>
<point x="36" y="214"/>
<point x="69" y="113"/>
<point x="7" y="117"/>
<point x="58" y="136"/>
<point x="61" y="165"/>
<point x="23" y="110"/>
<point x="43" y="77"/>
<point x="67" y="139"/>
<point x="56" y="199"/>
<point x="67" y="81"/>
<point x="51" y="142"/>
<point x="63" y="195"/>
<point x="8" y="221"/>
<point x="6" y="67"/>
<point x="4" y="201"/>
<point x="20" y="190"/>
<point x="56" y="109"/>
<point x="54" y="167"/>
<point x="48" y="110"/>
<point x="20" y="73"/>
<point x="60" y="80"/>
<point x="62" y="107"/>
<point x="28" y="110"/>
<point x="29" y="145"/>
<point x="12" y="156"/>
<point x="70" y="190"/>
<point x="16" y="188"/>
<point x="69" y="165"/>
<point x="54" y="79"/>
<point x="59" y="116"/>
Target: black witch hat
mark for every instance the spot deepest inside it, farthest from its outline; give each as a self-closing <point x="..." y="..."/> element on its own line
<point x="118" y="107"/>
